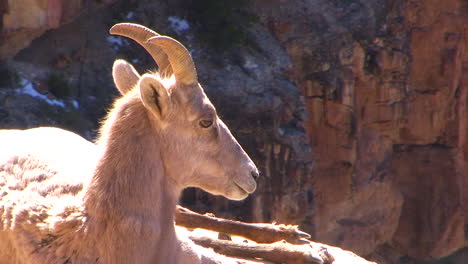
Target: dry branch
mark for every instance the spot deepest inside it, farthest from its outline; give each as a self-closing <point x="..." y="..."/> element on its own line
<point x="298" y="251"/>
<point x="279" y="252"/>
<point x="261" y="233"/>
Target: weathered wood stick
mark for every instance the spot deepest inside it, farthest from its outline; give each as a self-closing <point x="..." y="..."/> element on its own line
<point x="279" y="252"/>
<point x="261" y="233"/>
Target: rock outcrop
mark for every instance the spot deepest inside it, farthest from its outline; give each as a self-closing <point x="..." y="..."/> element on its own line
<point x="24" y="20"/>
<point x="385" y="87"/>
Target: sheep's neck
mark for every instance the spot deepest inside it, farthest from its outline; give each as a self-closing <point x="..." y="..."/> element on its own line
<point x="130" y="178"/>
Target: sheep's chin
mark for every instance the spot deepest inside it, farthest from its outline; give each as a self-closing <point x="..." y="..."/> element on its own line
<point x="236" y="193"/>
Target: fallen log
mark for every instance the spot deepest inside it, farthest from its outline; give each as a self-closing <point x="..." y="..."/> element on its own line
<point x="273" y="243"/>
<point x="258" y="232"/>
<point x="279" y="252"/>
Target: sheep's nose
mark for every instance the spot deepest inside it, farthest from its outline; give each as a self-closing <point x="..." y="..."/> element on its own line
<point x="255" y="174"/>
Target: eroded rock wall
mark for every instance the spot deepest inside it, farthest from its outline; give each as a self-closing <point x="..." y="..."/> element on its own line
<point x="384" y="84"/>
<point x="24" y="20"/>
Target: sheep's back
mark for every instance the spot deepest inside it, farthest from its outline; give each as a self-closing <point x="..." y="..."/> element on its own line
<point x="44" y="173"/>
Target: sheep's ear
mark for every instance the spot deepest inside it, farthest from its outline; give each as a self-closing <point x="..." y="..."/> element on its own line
<point x="125" y="76"/>
<point x="154" y="96"/>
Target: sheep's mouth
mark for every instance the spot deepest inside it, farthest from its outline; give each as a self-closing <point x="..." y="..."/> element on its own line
<point x="246" y="187"/>
<point x="242" y="190"/>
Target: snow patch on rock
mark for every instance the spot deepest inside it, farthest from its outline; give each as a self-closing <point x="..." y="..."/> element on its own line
<point x="178" y="24"/>
<point x="27" y="87"/>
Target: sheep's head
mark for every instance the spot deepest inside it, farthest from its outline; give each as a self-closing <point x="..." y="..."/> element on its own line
<point x="197" y="147"/>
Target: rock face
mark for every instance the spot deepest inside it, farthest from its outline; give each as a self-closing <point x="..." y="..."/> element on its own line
<point x="353" y="110"/>
<point x="384" y="84"/>
<point x="24" y="20"/>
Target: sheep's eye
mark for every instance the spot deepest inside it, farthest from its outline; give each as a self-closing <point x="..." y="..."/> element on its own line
<point x="206" y="123"/>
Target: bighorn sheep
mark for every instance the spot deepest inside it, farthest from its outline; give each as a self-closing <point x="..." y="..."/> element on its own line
<point x="66" y="200"/>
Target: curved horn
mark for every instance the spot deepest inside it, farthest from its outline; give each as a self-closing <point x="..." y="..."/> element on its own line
<point x="141" y="34"/>
<point x="179" y="57"/>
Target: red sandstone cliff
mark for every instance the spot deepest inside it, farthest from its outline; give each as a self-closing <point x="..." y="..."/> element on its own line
<point x="385" y="87"/>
